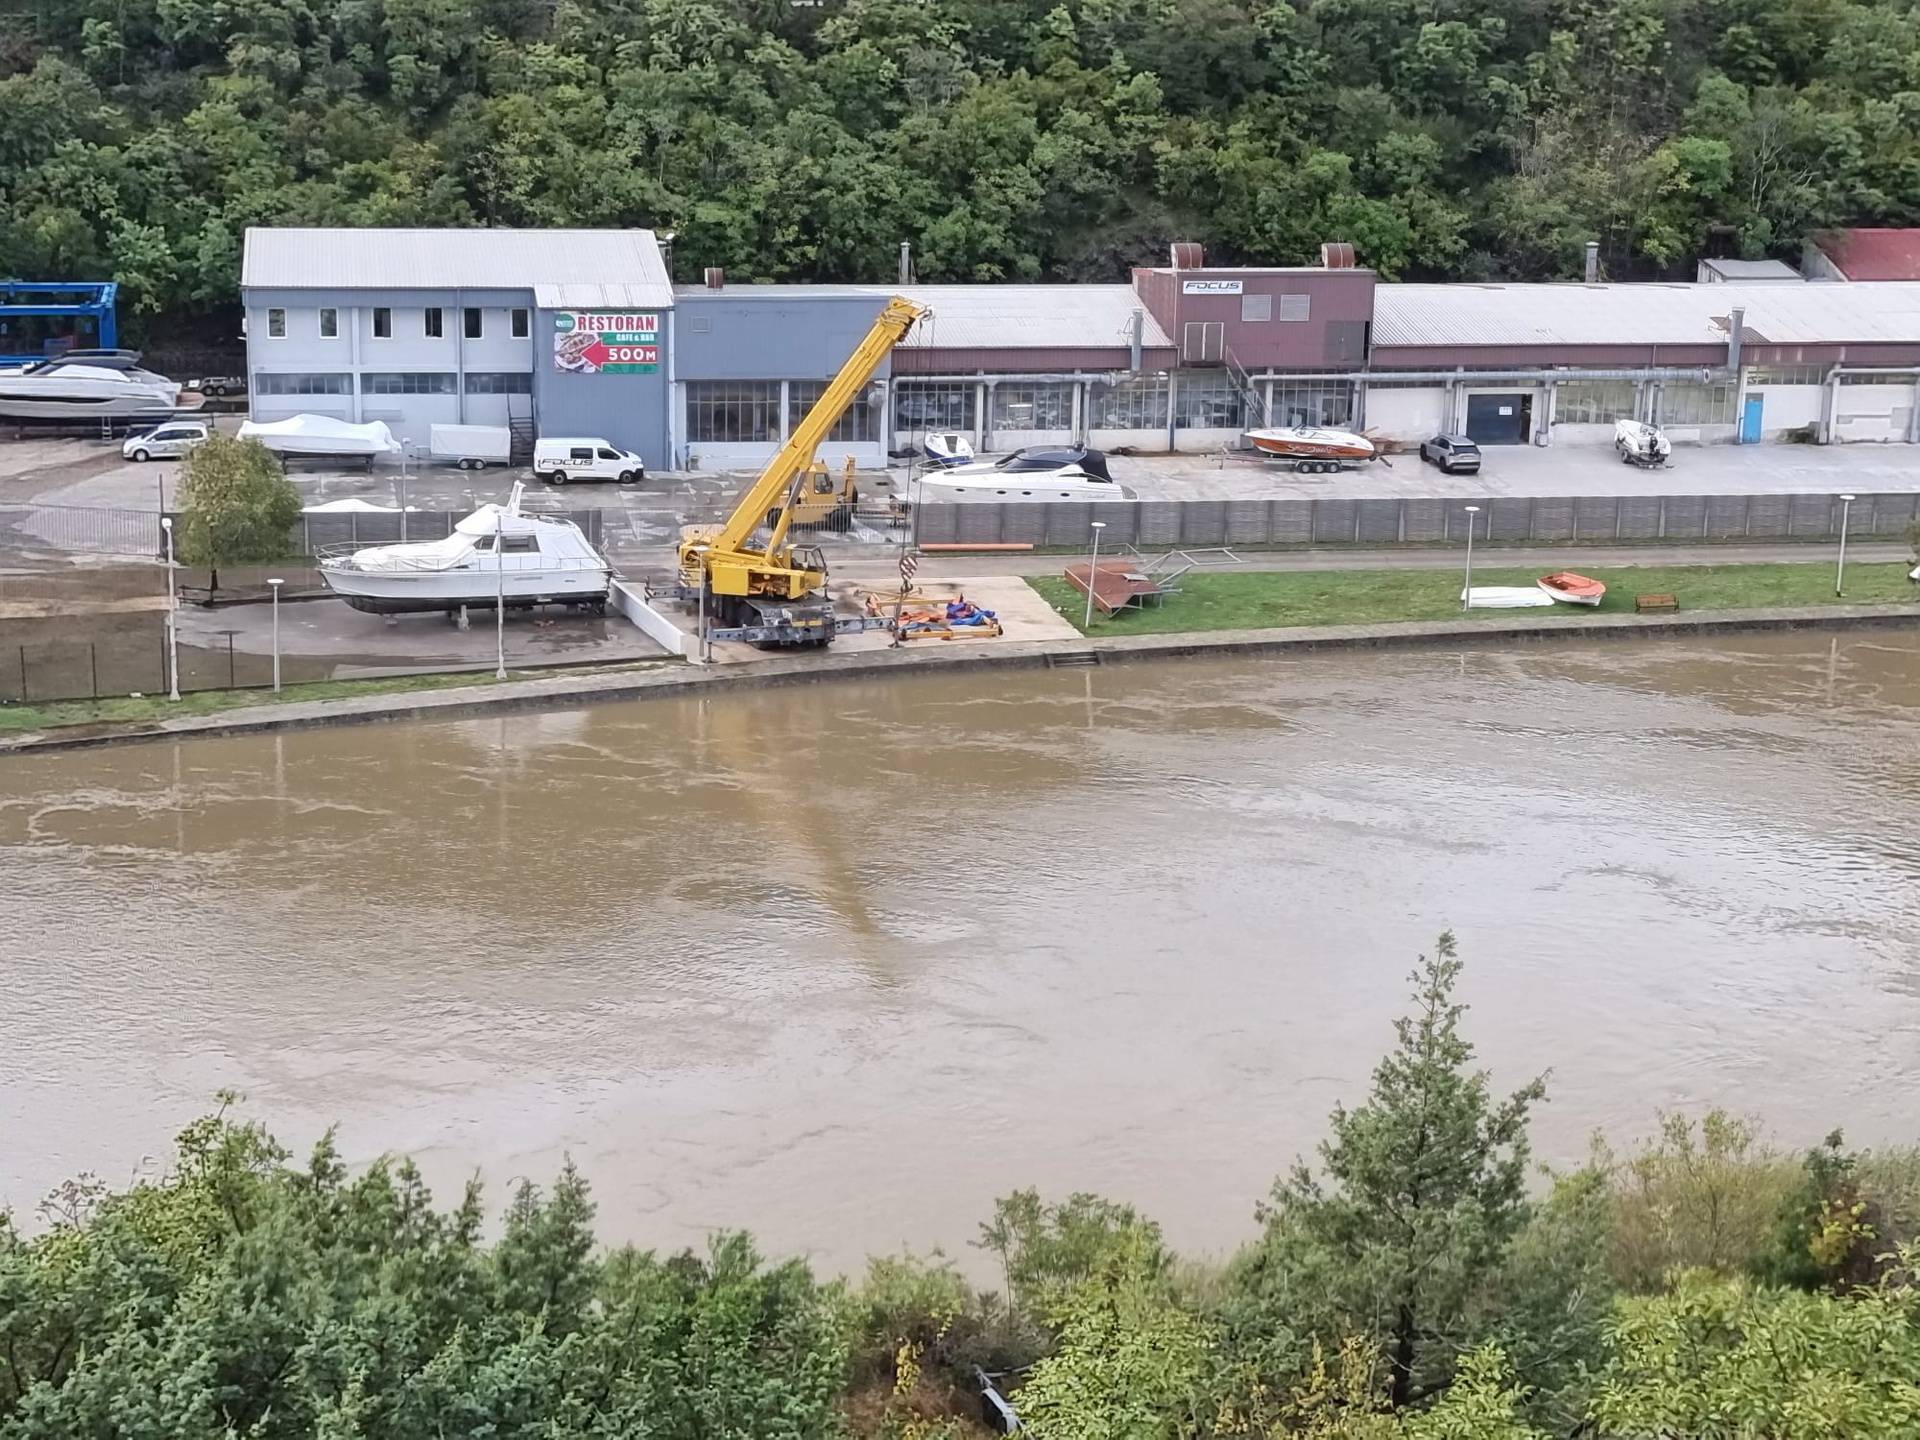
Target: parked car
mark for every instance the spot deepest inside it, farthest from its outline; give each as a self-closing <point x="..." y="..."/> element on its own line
<point x="558" y="460"/>
<point x="1454" y="454"/>
<point x="219" y="385"/>
<point x="166" y="442"/>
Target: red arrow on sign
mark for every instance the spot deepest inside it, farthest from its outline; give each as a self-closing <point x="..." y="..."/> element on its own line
<point x="595" y="354"/>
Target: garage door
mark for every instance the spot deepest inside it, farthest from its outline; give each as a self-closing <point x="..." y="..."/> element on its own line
<point x="1499" y="419"/>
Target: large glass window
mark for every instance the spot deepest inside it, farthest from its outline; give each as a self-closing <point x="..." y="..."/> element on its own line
<point x="1788" y="375"/>
<point x="407" y="383"/>
<point x="1880" y="379"/>
<point x="1208" y="401"/>
<point x="920" y="406"/>
<point x="1023" y="406"/>
<point x="1138" y="402"/>
<point x="1688" y="402"/>
<point x="1309" y="402"/>
<point x="860" y="424"/>
<point x="1593" y="402"/>
<point x="499" y="382"/>
<point x="733" y="411"/>
<point x="303" y="384"/>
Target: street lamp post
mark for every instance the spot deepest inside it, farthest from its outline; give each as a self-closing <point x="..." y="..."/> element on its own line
<point x="1466" y="595"/>
<point x="173" y="616"/>
<point x="1093" y="569"/>
<point x="499" y="598"/>
<point x="275" y="585"/>
<point x="1840" y="571"/>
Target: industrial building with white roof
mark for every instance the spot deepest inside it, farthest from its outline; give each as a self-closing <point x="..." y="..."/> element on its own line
<point x="582" y="333"/>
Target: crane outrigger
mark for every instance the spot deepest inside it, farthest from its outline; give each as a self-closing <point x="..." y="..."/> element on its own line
<point x="775" y="594"/>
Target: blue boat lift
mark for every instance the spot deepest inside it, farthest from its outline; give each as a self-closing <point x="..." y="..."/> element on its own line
<point x="79" y="300"/>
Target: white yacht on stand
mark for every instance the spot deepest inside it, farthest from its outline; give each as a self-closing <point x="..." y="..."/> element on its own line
<point x="86" y="385"/>
<point x="1037" y="473"/>
<point x="498" y="554"/>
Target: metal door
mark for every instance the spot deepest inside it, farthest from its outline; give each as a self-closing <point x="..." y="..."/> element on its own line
<point x="1498" y="419"/>
<point x="1750" y="419"/>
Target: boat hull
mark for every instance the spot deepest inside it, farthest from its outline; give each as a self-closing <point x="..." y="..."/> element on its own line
<point x="30" y="410"/>
<point x="404" y="594"/>
<point x="1572" y="589"/>
<point x="1311" y="445"/>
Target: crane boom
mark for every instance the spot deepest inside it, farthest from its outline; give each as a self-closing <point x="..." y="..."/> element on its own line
<point x="774" y="590"/>
<point x="797" y="454"/>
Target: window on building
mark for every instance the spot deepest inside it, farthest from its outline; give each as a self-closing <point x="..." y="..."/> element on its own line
<point x="1023" y="406"/>
<point x="499" y="382"/>
<point x="1254" y="308"/>
<point x="276" y="324"/>
<point x="473" y="329"/>
<point x="1137" y="403"/>
<point x="329" y="323"/>
<point x="920" y="406"/>
<point x="1593" y="402"/>
<point x="1787" y="375"/>
<point x="433" y="322"/>
<point x="407" y="383"/>
<point x="521" y="324"/>
<point x="860" y="425"/>
<point x="739" y="412"/>
<point x="382" y="323"/>
<point x="303" y="384"/>
<point x="1208" y="401"/>
<point x="1881" y="379"/>
<point x="1296" y="307"/>
<point x="1309" y="402"/>
<point x="1688" y="402"/>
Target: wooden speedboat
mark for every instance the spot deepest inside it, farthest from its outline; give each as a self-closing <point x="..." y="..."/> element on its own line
<point x="1572" y="589"/>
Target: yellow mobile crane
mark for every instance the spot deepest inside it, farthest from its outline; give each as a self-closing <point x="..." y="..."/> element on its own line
<point x="775" y="594"/>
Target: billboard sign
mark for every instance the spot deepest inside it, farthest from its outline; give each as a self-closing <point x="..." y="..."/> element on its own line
<point x="592" y="342"/>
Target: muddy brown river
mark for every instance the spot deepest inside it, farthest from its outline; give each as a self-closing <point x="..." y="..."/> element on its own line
<point x="841" y="964"/>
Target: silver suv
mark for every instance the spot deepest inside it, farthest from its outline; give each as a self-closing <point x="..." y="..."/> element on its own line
<point x="1454" y="454"/>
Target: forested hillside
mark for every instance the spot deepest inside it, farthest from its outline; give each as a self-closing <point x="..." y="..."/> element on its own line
<point x="1008" y="139"/>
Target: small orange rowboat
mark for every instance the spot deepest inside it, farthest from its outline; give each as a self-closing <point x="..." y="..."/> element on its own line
<point x="1572" y="589"/>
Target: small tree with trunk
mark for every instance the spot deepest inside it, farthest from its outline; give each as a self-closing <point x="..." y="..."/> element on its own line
<point x="1421" y="1191"/>
<point x="238" y="506"/>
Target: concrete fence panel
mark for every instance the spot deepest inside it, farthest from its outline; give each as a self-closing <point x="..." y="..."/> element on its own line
<point x="1423" y="520"/>
<point x="1767" y="516"/>
<point x="1596" y="517"/>
<point x="1811" y="515"/>
<point x="1379" y="522"/>
<point x="1292" y="522"/>
<point x="1685" y="518"/>
<point x="1159" y="524"/>
<point x="1509" y="518"/>
<point x="1726" y="517"/>
<point x="1335" y="522"/>
<point x="1639" y="517"/>
<point x="1552" y="520"/>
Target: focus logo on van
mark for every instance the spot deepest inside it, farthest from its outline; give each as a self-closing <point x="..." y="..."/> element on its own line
<point x="588" y="342"/>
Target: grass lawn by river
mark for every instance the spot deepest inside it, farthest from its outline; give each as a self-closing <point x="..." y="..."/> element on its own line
<point x="125" y="710"/>
<point x="1270" y="599"/>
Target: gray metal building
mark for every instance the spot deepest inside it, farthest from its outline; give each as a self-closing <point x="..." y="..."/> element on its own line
<point x="424" y="327"/>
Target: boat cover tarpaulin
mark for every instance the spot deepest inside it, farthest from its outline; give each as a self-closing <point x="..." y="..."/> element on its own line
<point x="321" y="435"/>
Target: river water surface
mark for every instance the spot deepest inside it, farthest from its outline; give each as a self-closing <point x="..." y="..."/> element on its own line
<point x="842" y="963"/>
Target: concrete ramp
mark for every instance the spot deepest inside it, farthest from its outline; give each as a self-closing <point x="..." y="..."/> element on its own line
<point x="631" y="601"/>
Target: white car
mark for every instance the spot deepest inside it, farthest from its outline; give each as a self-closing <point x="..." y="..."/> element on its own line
<point x="166" y="442"/>
<point x="560" y="460"/>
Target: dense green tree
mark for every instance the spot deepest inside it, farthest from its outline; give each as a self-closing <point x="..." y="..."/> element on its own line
<point x="237" y="505"/>
<point x="1420" y="1194"/>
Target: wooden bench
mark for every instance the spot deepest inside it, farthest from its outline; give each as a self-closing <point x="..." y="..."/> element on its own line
<point x="1645" y="604"/>
<point x="1117" y="585"/>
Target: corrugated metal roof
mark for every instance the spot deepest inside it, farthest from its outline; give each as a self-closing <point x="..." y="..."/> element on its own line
<point x="360" y="259"/>
<point x="994" y="317"/>
<point x="581" y="296"/>
<point x="1574" y="314"/>
<point x="1752" y="269"/>
<point x="1872" y="254"/>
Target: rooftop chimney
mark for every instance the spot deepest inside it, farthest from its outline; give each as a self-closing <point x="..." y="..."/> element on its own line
<point x="1189" y="255"/>
<point x="1337" y="255"/>
<point x="1736" y="323"/>
<point x="715" y="278"/>
<point x="1593" y="262"/>
<point x="906" y="262"/>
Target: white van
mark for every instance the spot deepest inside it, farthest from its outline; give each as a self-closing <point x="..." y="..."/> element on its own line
<point x="164" y="442"/>
<point x="558" y="460"/>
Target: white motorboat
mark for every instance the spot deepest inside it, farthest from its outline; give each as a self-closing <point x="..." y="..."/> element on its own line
<point x="1641" y="444"/>
<point x="498" y="554"/>
<point x="1038" y="473"/>
<point x="322" y="436"/>
<point x="947" y="448"/>
<point x="1314" y="449"/>
<point x="86" y="385"/>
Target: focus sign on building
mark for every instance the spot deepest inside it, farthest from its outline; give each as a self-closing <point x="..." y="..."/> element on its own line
<point x="1210" y="287"/>
<point x="586" y="342"/>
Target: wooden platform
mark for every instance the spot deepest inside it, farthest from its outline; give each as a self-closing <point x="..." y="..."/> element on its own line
<point x="1117" y="585"/>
